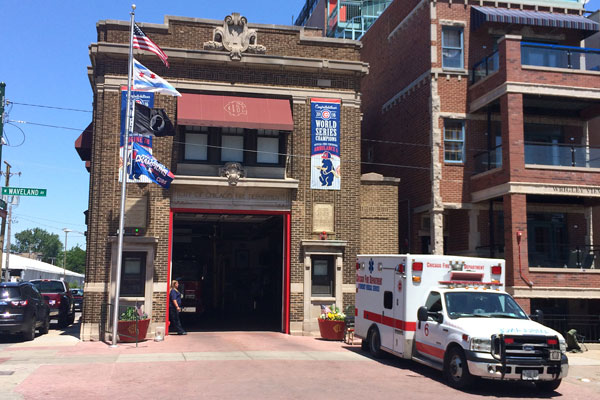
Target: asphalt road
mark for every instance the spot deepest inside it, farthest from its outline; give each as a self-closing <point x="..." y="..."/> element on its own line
<point x="247" y="365"/>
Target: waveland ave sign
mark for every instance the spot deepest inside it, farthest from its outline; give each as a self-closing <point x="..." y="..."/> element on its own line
<point x="14" y="191"/>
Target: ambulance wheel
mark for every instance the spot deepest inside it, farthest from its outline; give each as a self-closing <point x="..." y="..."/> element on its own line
<point x="364" y="345"/>
<point x="375" y="343"/>
<point x="456" y="370"/>
<point x="548" y="386"/>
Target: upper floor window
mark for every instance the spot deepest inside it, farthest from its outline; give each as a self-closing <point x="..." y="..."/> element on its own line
<point x="454" y="141"/>
<point x="196" y="140"/>
<point x="452" y="47"/>
<point x="214" y="145"/>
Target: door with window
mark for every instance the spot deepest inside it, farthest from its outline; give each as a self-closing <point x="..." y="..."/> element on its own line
<point x="322" y="276"/>
<point x="133" y="274"/>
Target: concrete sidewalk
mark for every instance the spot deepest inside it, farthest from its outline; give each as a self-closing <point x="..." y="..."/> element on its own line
<point x="266" y="365"/>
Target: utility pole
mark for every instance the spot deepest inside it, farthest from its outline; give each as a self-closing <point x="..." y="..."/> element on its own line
<point x="2" y="90"/>
<point x="7" y="276"/>
<point x="2" y="230"/>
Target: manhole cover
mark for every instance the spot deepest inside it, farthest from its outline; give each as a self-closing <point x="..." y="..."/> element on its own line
<point x="7" y="372"/>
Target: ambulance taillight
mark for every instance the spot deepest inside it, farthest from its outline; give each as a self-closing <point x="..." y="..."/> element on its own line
<point x="357" y="265"/>
<point x="497" y="270"/>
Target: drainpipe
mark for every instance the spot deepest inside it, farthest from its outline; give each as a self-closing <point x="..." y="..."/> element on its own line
<point x="528" y="282"/>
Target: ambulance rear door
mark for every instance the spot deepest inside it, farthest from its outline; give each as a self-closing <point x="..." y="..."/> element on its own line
<point x="400" y="322"/>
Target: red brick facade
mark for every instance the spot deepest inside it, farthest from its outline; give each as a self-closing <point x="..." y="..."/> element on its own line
<point x="460" y="207"/>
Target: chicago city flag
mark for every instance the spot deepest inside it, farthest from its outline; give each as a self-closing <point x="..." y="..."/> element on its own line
<point x="144" y="79"/>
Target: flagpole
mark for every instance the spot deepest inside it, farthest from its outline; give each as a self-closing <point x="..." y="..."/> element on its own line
<point x="128" y="126"/>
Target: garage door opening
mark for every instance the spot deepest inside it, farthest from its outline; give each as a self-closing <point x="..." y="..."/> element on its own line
<point x="230" y="270"/>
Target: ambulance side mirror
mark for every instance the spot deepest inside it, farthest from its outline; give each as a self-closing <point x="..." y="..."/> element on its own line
<point x="538" y="316"/>
<point x="422" y="314"/>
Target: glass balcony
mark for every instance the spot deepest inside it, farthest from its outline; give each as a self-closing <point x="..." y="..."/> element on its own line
<point x="563" y="155"/>
<point x="554" y="56"/>
<point x="485" y="67"/>
<point x="487" y="160"/>
<point x="351" y="19"/>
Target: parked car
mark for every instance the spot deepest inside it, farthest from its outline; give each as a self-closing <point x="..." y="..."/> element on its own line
<point x="59" y="298"/>
<point x="77" y="299"/>
<point x="23" y="309"/>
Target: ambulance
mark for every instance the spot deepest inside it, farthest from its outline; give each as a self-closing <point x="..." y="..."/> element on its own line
<point x="452" y="313"/>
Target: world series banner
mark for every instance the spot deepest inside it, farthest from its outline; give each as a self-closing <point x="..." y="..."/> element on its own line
<point x="147" y="99"/>
<point x="325" y="147"/>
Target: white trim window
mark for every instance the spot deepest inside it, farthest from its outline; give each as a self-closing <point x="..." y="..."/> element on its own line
<point x="452" y="47"/>
<point x="454" y="141"/>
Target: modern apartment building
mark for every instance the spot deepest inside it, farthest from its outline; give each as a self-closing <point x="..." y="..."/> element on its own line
<point x="348" y="19"/>
<point x="484" y="109"/>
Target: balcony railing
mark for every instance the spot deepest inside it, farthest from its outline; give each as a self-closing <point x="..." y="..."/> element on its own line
<point x="559" y="255"/>
<point x="485" y="67"/>
<point x="564" y="155"/>
<point x="488" y="159"/>
<point x="555" y="56"/>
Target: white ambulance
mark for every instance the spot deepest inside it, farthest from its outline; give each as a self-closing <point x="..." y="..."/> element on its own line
<point x="451" y="313"/>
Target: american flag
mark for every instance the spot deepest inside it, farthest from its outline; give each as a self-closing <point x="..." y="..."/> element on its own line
<point x="141" y="41"/>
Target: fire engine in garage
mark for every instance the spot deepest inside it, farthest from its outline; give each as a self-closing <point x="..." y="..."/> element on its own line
<point x="450" y="313"/>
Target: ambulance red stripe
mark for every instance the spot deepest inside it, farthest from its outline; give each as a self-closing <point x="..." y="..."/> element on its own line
<point x="430" y="350"/>
<point x="389" y="321"/>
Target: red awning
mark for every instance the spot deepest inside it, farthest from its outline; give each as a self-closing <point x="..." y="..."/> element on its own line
<point x="83" y="144"/>
<point x="234" y="112"/>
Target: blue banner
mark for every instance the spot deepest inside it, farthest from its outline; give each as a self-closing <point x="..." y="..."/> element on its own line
<point x="325" y="146"/>
<point x="146" y="99"/>
<point x="145" y="164"/>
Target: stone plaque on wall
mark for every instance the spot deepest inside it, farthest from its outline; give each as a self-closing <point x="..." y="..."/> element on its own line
<point x="136" y="212"/>
<point x="322" y="217"/>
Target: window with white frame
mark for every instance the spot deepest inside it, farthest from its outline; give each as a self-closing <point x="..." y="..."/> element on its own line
<point x="232" y="144"/>
<point x="196" y="143"/>
<point x="454" y="141"/>
<point x="267" y="146"/>
<point x="452" y="47"/>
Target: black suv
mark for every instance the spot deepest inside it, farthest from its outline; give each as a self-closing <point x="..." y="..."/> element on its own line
<point x="23" y="309"/>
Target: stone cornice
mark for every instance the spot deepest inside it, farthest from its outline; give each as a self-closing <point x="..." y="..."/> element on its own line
<point x="249" y="60"/>
<point x="535" y="188"/>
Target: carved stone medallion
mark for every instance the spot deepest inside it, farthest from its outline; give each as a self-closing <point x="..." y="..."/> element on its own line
<point x="235" y="37"/>
<point x="233" y="172"/>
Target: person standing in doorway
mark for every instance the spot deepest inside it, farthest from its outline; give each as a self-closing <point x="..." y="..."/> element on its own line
<point x="175" y="308"/>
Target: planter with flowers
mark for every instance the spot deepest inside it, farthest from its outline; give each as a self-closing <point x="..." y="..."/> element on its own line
<point x="133" y="325"/>
<point x="332" y="323"/>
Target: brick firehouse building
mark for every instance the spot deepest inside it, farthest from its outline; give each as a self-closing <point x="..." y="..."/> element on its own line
<point x="484" y="110"/>
<point x="254" y="244"/>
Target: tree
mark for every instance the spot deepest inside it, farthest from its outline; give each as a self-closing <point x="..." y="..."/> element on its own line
<point x="38" y="241"/>
<point x="76" y="260"/>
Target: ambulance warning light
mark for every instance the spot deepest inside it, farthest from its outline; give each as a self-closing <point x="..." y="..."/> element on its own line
<point x="497" y="270"/>
<point x="417" y="266"/>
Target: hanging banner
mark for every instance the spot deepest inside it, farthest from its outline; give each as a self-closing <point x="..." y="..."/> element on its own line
<point x="147" y="99"/>
<point x="325" y="147"/>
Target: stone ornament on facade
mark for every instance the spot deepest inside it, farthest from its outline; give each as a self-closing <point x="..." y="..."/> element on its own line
<point x="235" y="37"/>
<point x="233" y="172"/>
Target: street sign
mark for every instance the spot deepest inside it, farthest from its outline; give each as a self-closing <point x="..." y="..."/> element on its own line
<point x="13" y="191"/>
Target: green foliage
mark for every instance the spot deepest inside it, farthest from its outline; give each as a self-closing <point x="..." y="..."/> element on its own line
<point x="76" y="260"/>
<point x="132" y="314"/>
<point x="38" y="241"/>
<point x="333" y="314"/>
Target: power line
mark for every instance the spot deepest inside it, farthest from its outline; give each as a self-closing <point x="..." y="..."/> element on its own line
<point x="46" y="125"/>
<point x="52" y="107"/>
<point x="51" y="220"/>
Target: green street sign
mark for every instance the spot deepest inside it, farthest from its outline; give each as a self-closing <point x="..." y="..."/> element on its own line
<point x="13" y="191"/>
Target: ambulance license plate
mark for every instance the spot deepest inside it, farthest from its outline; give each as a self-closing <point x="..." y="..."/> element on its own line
<point x="530" y="375"/>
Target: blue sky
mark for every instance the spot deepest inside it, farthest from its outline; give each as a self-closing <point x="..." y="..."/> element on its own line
<point x="43" y="60"/>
